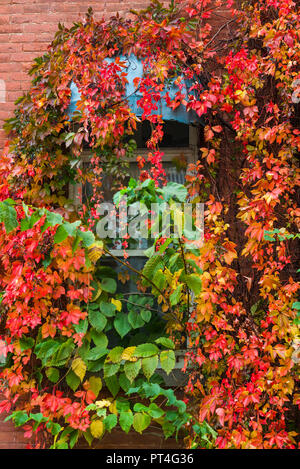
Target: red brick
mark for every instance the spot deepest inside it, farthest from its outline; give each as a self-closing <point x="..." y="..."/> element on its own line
<point x="4" y="57"/>
<point x="10" y="28"/>
<point x="35" y="47"/>
<point x="4" y="19"/>
<point x="9" y="67"/>
<point x="12" y="85"/>
<point x="12" y="95"/>
<point x="10" y="47"/>
<point x="34" y="8"/>
<point x="24" y="37"/>
<point x="23" y="56"/>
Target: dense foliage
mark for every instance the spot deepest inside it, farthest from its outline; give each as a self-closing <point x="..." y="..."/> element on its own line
<point x="67" y="327"/>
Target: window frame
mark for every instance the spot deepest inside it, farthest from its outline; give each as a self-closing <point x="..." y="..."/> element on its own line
<point x="191" y="154"/>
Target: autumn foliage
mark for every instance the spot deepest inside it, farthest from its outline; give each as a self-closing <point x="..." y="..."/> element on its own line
<point x="231" y="304"/>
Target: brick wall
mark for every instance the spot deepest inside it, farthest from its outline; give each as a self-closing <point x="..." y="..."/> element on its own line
<point x="12" y="438"/>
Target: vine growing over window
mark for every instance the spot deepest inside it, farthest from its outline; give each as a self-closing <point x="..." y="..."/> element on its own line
<point x="80" y="356"/>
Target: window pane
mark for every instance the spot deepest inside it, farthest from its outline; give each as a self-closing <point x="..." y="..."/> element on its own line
<point x="176" y="134"/>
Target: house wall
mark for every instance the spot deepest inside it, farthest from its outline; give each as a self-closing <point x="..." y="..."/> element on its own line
<point x="26" y="29"/>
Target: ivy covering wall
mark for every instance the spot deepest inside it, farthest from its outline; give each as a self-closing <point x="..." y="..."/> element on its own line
<point x="81" y="354"/>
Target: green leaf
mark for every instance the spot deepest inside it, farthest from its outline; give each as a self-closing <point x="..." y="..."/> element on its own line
<point x="141" y="421"/>
<point x="113" y="385"/>
<point x="60" y="235"/>
<point x="29" y="221"/>
<point x="88" y="436"/>
<point x="164" y="246"/>
<point x="149" y="365"/>
<point x="132" y="369"/>
<point x="95" y="353"/>
<point x="63" y="353"/>
<point x="82" y="326"/>
<point x="126" y="420"/>
<point x="97" y="320"/>
<point x="194" y="283"/>
<point x="110" y="369"/>
<point x="38" y="417"/>
<point x="193" y="263"/>
<point x="110" y="422"/>
<point x="108" y="309"/>
<point x="52" y="374"/>
<point x="146" y="315"/>
<point x="44" y="350"/>
<point x="159" y="279"/>
<point x="99" y="339"/>
<point x="167" y="360"/>
<point x="87" y="237"/>
<point x="47" y="261"/>
<point x="173" y="190"/>
<point x="168" y="429"/>
<point x="73" y="438"/>
<point x="115" y="354"/>
<point x="169" y="393"/>
<point x="165" y="342"/>
<point x="73" y="380"/>
<point x="52" y="219"/>
<point x="96" y="365"/>
<point x="26" y="343"/>
<point x="175" y="296"/>
<point x="65" y="230"/>
<point x="145" y="350"/>
<point x="138" y="407"/>
<point x="122" y="404"/>
<point x="76" y="244"/>
<point x="124" y="382"/>
<point x="151" y="389"/>
<point x="109" y="285"/>
<point x="135" y="319"/>
<point x="19" y="417"/>
<point x="121" y="324"/>
<point x="54" y="428"/>
<point x="155" y="411"/>
<point x="8" y="216"/>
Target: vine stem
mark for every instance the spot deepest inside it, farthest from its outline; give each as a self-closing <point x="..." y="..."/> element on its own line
<point x="136" y="304"/>
<point x="186" y="272"/>
<point x="125" y="264"/>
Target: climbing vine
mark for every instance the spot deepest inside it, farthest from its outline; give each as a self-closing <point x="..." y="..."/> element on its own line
<point x="80" y="354"/>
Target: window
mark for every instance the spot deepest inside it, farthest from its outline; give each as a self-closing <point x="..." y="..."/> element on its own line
<point x="179" y="144"/>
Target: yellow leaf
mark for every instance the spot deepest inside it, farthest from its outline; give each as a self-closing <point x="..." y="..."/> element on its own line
<point x="103" y="403"/>
<point x="127" y="354"/>
<point x="97" y="293"/>
<point x="117" y="304"/>
<point x="229" y="256"/>
<point x="79" y="368"/>
<point x="95" y="385"/>
<point x="113" y="408"/>
<point x="95" y="251"/>
<point x="97" y="428"/>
